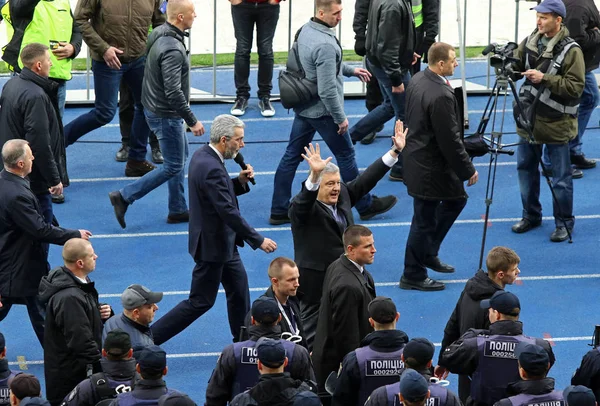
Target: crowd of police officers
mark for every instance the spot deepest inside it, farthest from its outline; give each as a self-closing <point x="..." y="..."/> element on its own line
<point x="505" y="367"/>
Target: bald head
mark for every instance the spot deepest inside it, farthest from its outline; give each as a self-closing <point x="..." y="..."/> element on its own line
<point x="181" y="13"/>
<point x="74" y="249"/>
<point x="79" y="257"/>
<point x="13" y="151"/>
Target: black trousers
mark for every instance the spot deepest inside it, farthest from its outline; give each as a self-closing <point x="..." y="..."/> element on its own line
<point x="37" y="313"/>
<point x="206" y="278"/>
<point x="126" y="111"/>
<point x="245" y="17"/>
<point x="310" y="302"/>
<point x="432" y="219"/>
<point x="373" y="97"/>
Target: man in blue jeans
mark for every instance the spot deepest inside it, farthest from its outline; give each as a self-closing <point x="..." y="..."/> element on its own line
<point x="165" y="96"/>
<point x="116" y="34"/>
<point x="560" y="77"/>
<point x="390" y="44"/>
<point x="583" y="22"/>
<point x="321" y="55"/>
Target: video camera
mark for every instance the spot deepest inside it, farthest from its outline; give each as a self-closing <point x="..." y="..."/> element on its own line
<point x="502" y="56"/>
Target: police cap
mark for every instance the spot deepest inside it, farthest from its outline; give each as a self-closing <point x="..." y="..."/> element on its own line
<point x="579" y="396"/>
<point x="502" y="301"/>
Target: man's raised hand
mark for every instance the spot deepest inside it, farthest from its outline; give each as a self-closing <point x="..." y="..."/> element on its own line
<point x="313" y="157"/>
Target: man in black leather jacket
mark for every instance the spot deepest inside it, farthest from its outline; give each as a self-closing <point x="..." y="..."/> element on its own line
<point x="165" y="96"/>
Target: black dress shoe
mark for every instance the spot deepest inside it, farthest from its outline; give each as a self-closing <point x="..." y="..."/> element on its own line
<point x="581" y="162"/>
<point x="379" y="205"/>
<point x="279" y="219"/>
<point x="120" y="206"/>
<point x="426" y="285"/>
<point x="396" y="176"/>
<point x="58" y="199"/>
<point x="560" y="234"/>
<point x="525" y="225"/>
<point x="576" y="173"/>
<point x="369" y="138"/>
<point x="435" y="264"/>
<point x="179" y="218"/>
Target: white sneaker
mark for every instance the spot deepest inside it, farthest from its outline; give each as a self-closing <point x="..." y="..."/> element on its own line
<point x="266" y="109"/>
<point x="239" y="107"/>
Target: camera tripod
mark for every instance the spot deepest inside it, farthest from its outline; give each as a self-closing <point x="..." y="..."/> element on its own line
<point x="502" y="86"/>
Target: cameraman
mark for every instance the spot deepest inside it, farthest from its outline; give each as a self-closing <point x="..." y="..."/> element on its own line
<point x="553" y="117"/>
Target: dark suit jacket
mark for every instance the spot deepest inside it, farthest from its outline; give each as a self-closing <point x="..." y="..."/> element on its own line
<point x="343" y="316"/>
<point x="216" y="225"/>
<point x="435" y="161"/>
<point x="285" y="327"/>
<point x="23" y="261"/>
<point x="311" y="219"/>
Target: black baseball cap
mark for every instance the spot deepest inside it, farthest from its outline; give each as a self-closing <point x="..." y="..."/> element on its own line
<point x="265" y="310"/>
<point x="117" y="343"/>
<point x="579" y="395"/>
<point x="152" y="359"/>
<point x="382" y="309"/>
<point x="137" y="295"/>
<point x="413" y="386"/>
<point x="502" y="301"/>
<point x="532" y="358"/>
<point x="421" y="349"/>
<point x="271" y="353"/>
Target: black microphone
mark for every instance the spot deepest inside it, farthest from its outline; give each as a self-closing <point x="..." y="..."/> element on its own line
<point x="239" y="159"/>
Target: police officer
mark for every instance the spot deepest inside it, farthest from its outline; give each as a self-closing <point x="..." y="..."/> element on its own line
<point x="118" y="374"/>
<point x="236" y="370"/>
<point x="152" y="366"/>
<point x="488" y="356"/>
<point x="588" y="373"/>
<point x="274" y="387"/>
<point x="377" y="362"/>
<point x="5" y="373"/>
<point x="416" y="356"/>
<point x="535" y="387"/>
<point x="414" y="389"/>
<point x="578" y="395"/>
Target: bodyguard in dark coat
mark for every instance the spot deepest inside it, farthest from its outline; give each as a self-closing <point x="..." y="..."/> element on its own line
<point x="30" y="112"/>
<point x="323" y="208"/>
<point x="74" y="318"/>
<point x="23" y="260"/>
<point x="347" y="291"/>
<point x="435" y="167"/>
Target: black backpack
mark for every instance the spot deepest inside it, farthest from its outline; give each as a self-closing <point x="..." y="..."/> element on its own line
<point x="104" y="393"/>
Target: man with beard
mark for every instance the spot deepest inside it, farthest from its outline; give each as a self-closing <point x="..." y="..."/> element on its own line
<point x="216" y="230"/>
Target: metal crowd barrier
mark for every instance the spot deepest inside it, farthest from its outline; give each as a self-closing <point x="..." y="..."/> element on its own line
<point x="351" y="88"/>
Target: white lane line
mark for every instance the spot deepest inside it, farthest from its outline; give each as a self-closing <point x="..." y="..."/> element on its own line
<point x="216" y="354"/>
<point x="394" y="224"/>
<point x="382" y="284"/>
<point x="263" y="173"/>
